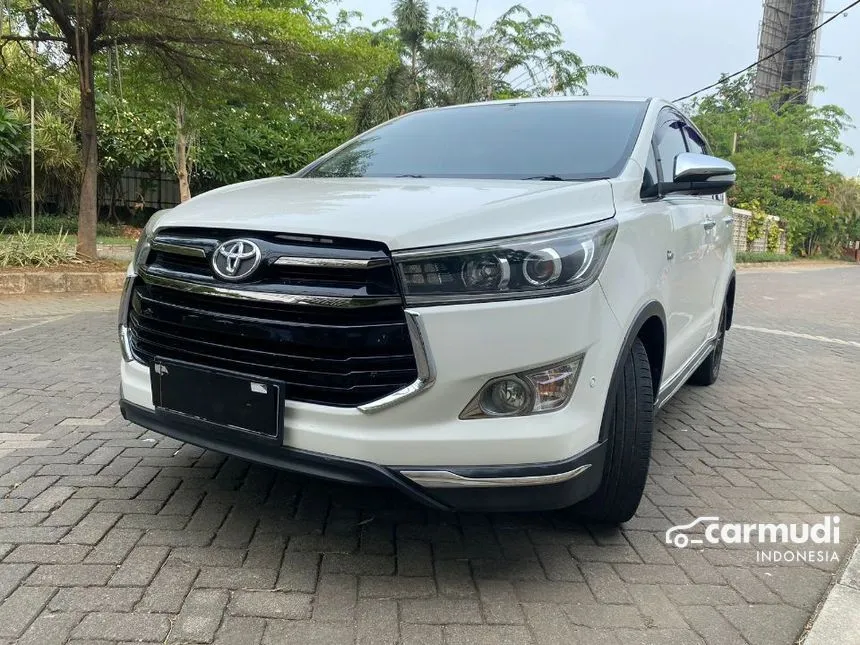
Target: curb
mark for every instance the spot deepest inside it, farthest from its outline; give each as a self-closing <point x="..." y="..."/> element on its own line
<point x="838" y="617"/>
<point x="59" y="282"/>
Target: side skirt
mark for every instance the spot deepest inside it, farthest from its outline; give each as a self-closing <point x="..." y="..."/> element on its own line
<point x="674" y="383"/>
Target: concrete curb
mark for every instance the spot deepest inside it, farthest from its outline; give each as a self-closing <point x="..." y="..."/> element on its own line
<point x="60" y="282"/>
<point x="838" y="617"/>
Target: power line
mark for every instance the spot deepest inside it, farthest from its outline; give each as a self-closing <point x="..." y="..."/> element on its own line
<point x="771" y="55"/>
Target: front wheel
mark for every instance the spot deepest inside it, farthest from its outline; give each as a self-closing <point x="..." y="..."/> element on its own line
<point x="628" y="424"/>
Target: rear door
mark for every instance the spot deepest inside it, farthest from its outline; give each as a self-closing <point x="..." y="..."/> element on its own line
<point x="690" y="288"/>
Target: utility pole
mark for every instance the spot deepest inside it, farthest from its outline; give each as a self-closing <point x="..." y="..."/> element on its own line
<point x="32" y="19"/>
<point x="734" y="143"/>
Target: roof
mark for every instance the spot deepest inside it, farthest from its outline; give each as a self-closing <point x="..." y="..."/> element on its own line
<point x="552" y="99"/>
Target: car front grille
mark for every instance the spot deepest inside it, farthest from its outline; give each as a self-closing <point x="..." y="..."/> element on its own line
<point x="329" y="322"/>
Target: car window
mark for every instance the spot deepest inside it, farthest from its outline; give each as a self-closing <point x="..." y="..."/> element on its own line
<point x="649" y="179"/>
<point x="694" y="141"/>
<point x="670" y="143"/>
<point x="569" y="140"/>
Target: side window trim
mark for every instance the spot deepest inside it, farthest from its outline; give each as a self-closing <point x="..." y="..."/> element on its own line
<point x="654" y="144"/>
<point x="657" y="175"/>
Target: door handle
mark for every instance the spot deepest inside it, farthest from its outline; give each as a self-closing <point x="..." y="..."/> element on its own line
<point x="709" y="224"/>
<point x="728" y="220"/>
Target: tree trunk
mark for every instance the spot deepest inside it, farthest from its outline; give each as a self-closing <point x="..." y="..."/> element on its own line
<point x="88" y="202"/>
<point x="413" y="80"/>
<point x="182" y="155"/>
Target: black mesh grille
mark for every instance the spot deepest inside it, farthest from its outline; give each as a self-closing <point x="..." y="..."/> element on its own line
<point x="339" y="356"/>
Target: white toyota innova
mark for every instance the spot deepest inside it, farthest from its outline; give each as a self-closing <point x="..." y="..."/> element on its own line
<point x="482" y="305"/>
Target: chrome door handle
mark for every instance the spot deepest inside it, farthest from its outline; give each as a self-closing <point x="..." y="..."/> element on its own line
<point x="709" y="224"/>
<point x="728" y="220"/>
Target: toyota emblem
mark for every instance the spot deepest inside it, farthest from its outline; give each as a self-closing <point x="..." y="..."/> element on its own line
<point x="236" y="260"/>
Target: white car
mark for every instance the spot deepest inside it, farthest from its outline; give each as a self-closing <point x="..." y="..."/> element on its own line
<point x="480" y="305"/>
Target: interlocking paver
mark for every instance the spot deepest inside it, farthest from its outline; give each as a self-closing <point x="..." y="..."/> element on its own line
<point x="109" y="533"/>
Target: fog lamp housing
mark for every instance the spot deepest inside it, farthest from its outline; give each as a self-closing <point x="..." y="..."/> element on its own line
<point x="534" y="392"/>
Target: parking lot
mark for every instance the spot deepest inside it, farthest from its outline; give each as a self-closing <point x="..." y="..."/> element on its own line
<point x="112" y="534"/>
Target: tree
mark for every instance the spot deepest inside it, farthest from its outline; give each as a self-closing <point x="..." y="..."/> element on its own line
<point x="449" y="59"/>
<point x="782" y="150"/>
<point x="258" y="41"/>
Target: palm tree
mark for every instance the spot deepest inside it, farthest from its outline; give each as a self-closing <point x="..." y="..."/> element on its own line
<point x="450" y="59"/>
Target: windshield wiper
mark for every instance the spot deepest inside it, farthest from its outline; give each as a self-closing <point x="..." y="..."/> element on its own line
<point x="545" y="178"/>
<point x="410" y="176"/>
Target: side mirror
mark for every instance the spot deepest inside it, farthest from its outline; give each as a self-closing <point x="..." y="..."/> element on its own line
<point x="700" y="175"/>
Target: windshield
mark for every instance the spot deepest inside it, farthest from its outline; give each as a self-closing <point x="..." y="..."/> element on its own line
<point x="552" y="140"/>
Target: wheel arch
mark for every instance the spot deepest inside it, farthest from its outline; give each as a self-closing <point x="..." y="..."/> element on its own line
<point x="730" y="301"/>
<point x="649" y="326"/>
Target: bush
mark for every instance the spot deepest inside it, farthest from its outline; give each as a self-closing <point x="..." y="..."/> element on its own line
<point x="758" y="256"/>
<point x="24" y="249"/>
<point x="56" y="224"/>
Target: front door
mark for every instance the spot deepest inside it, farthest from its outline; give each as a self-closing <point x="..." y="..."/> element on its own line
<point x="689" y="285"/>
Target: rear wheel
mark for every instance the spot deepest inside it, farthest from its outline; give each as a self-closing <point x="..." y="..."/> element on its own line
<point x="628" y="423"/>
<point x="709" y="371"/>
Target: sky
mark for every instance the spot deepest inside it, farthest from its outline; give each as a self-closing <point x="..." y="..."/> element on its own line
<point x="669" y="48"/>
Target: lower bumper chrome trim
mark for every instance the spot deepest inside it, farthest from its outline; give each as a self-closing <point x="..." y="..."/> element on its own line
<point x="447" y="479"/>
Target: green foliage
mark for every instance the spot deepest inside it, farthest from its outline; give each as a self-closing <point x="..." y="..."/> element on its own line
<point x="239" y="144"/>
<point x="55" y="225"/>
<point x="782" y="150"/>
<point x="773" y="235"/>
<point x="756" y="223"/>
<point x="768" y="256"/>
<point x="24" y="249"/>
<point x="12" y="142"/>
<point x="448" y="59"/>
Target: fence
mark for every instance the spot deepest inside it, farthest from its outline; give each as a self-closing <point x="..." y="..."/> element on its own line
<point x="138" y="189"/>
<point x="759" y="245"/>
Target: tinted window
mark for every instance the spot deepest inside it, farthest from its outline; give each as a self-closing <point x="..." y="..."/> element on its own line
<point x="670" y="143"/>
<point x="694" y="141"/>
<point x="568" y="139"/>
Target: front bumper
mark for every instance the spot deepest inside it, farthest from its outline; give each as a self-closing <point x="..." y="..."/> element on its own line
<point x="419" y="444"/>
<point x="528" y="487"/>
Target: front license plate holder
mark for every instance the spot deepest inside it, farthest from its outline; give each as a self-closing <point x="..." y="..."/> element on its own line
<point x="225" y="399"/>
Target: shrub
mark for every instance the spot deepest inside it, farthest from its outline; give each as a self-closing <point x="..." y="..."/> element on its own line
<point x="24" y="249"/>
<point x="757" y="256"/>
<point x="57" y="224"/>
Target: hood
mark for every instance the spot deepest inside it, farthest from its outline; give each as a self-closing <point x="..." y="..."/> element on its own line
<point x="401" y="213"/>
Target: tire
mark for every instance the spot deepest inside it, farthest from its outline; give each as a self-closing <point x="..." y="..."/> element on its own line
<point x="628" y="425"/>
<point x="709" y="371"/>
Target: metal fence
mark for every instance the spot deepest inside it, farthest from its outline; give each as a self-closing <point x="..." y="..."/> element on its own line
<point x="759" y="245"/>
<point x="138" y="189"/>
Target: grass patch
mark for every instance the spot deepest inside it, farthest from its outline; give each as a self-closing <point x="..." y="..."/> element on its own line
<point x="57" y="224"/>
<point x="71" y="239"/>
<point x="744" y="257"/>
<point x="33" y="250"/>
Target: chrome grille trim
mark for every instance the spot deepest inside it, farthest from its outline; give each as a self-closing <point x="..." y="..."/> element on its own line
<point x="262" y="296"/>
<point x="424" y="363"/>
<point x="177" y="249"/>
<point x="330" y="263"/>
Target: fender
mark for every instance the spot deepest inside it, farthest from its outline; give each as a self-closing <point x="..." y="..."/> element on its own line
<point x="649" y="310"/>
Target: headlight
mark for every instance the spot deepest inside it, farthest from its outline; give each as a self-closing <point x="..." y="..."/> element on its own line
<point x="545" y="264"/>
<point x="145" y="242"/>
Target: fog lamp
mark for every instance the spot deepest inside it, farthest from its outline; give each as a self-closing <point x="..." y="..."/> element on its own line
<point x="505" y="396"/>
<point x="541" y="390"/>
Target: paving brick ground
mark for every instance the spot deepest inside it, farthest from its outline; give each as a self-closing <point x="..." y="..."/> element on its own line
<point x="110" y="534"/>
